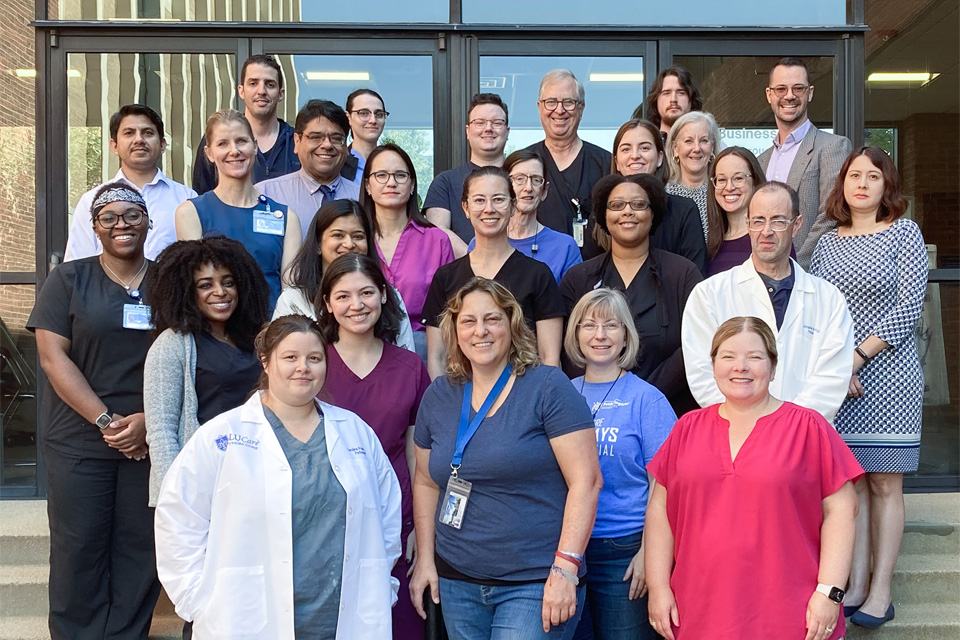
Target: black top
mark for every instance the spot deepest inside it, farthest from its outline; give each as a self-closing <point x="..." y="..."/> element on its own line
<point x="779" y="291"/>
<point x="657" y="296"/>
<point x="576" y="181"/>
<point x="681" y="232"/>
<point x="446" y="192"/>
<point x="530" y="281"/>
<point x="79" y="302"/>
<point x="280" y="160"/>
<point x="225" y="376"/>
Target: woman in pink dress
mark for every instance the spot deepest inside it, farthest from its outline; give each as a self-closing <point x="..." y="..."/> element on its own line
<point x="750" y="526"/>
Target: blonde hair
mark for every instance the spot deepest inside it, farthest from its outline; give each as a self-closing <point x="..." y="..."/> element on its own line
<point x="745" y="324"/>
<point x="602" y="302"/>
<point x="523" y="343"/>
<point x="226" y="116"/>
<point x="691" y="118"/>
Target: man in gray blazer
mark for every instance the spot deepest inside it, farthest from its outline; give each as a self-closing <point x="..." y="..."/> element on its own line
<point x="802" y="156"/>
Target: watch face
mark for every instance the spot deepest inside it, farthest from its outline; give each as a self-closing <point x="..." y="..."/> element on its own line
<point x="836" y="594"/>
<point x="103" y="421"/>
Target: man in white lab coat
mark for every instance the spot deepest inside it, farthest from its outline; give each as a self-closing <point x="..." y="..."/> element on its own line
<point x="808" y="315"/>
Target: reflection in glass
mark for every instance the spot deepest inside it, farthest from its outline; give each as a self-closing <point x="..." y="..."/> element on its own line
<point x="404" y="81"/>
<point x="253" y="10"/>
<point x="183" y="88"/>
<point x="18" y="390"/>
<point x="613" y="87"/>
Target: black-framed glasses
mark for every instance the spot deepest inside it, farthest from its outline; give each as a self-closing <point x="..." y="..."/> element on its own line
<point x="384" y="176"/>
<point x="568" y="104"/>
<point x="379" y="114"/>
<point x="781" y="89"/>
<point x="738" y="180"/>
<point x="520" y="179"/>
<point x="110" y="220"/>
<point x="481" y="123"/>
<point x="635" y="205"/>
<point x="777" y="224"/>
<point x="336" y="139"/>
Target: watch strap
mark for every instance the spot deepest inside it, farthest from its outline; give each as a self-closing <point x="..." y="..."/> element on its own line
<point x="834" y="594"/>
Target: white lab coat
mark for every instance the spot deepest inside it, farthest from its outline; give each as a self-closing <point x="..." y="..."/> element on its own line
<point x="814" y="345"/>
<point x="224" y="532"/>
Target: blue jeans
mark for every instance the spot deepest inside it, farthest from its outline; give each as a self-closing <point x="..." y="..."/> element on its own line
<point x="475" y="612"/>
<point x="610" y="614"/>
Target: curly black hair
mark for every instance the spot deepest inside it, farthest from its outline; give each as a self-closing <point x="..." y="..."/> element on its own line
<point x="173" y="297"/>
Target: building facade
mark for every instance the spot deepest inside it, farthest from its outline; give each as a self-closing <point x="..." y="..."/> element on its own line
<point x="67" y="65"/>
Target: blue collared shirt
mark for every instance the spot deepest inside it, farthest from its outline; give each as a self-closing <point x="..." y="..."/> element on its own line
<point x="779" y="291"/>
<point x="302" y="193"/>
<point x="783" y="154"/>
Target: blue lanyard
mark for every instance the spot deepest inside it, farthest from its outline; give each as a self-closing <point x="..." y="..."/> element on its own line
<point x="467" y="427"/>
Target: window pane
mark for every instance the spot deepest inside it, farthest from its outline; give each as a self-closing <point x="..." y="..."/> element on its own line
<point x="253" y="10"/>
<point x="18" y="391"/>
<point x="656" y="14"/>
<point x="613" y="87"/>
<point x="938" y="342"/>
<point x="404" y="81"/>
<point x="183" y="88"/>
<point x="733" y="90"/>
<point x="18" y="141"/>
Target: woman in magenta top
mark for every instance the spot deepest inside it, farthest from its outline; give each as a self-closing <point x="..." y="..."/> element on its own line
<point x="750" y="526"/>
<point x="380" y="382"/>
<point x="411" y="249"/>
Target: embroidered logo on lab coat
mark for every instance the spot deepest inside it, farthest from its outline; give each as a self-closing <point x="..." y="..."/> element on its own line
<point x="228" y="439"/>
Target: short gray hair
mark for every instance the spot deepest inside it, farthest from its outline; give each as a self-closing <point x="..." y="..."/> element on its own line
<point x="557" y="75"/>
<point x="605" y="302"/>
<point x="682" y="121"/>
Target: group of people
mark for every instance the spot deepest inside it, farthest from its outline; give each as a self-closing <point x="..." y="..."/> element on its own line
<point x="576" y="394"/>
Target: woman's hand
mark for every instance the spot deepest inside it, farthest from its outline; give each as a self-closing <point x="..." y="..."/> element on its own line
<point x="128" y="434"/>
<point x="559" y="600"/>
<point x="856" y="389"/>
<point x="424" y="575"/>
<point x="636" y="576"/>
<point x="663" y="612"/>
<point x="411" y="556"/>
<point x="822" y="614"/>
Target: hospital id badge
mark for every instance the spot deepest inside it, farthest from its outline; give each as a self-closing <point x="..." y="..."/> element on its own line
<point x="137" y="316"/>
<point x="455" y="502"/>
<point x="267" y="222"/>
<point x="579" y="225"/>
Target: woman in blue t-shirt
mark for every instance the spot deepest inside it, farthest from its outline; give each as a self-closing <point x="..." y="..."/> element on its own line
<point x="632" y="419"/>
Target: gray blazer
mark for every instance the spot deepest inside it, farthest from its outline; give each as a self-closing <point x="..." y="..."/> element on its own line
<point x="813" y="174"/>
<point x="169" y="401"/>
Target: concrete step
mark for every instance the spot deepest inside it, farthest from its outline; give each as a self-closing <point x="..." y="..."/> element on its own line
<point x="24" y="534"/>
<point x="35" y="628"/>
<point x="913" y="622"/>
<point x="930" y="537"/>
<point x="927" y="579"/>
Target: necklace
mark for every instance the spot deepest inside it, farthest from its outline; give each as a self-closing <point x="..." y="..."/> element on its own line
<point x="609" y="389"/>
<point x="125" y="285"/>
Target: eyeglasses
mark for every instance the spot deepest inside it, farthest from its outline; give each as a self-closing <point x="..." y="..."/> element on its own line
<point x="520" y="179"/>
<point x="777" y="224"/>
<point x="379" y="114"/>
<point x="608" y="327"/>
<point x="781" y="89"/>
<point x="635" y="205"/>
<point x="478" y="203"/>
<point x="738" y="180"/>
<point x="384" y="176"/>
<point x="336" y="139"/>
<point x="481" y="123"/>
<point x="569" y="104"/>
<point x="110" y="220"/>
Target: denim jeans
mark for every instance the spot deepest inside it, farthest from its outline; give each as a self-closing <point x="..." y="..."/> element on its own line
<point x="475" y="612"/>
<point x="610" y="614"/>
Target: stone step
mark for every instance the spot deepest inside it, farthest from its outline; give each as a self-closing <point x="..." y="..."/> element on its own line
<point x="927" y="579"/>
<point x="35" y="628"/>
<point x="913" y="622"/>
<point x="930" y="537"/>
<point x="23" y="592"/>
<point x="24" y="549"/>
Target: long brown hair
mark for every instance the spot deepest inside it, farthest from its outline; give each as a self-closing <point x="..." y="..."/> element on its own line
<point x="717" y="223"/>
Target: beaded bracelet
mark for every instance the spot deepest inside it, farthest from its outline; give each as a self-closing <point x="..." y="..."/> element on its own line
<point x="566" y="574"/>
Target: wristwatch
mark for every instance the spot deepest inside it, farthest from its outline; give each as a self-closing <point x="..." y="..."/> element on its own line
<point x="834" y="593"/>
<point x="104" y="419"/>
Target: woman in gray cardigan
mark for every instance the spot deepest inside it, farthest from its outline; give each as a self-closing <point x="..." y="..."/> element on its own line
<point x="209" y="300"/>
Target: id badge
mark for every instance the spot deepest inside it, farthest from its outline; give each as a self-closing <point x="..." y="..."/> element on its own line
<point x="455" y="502"/>
<point x="137" y="316"/>
<point x="578" y="226"/>
<point x="268" y="222"/>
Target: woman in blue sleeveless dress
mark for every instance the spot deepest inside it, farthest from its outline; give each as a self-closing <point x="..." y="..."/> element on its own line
<point x="268" y="229"/>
